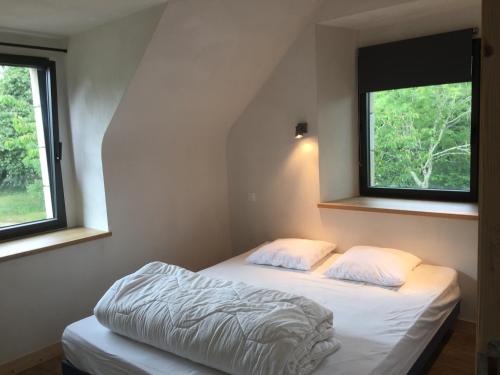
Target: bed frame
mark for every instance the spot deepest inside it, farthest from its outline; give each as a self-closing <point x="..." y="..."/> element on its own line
<point x="432" y="350"/>
<point x="421" y="366"/>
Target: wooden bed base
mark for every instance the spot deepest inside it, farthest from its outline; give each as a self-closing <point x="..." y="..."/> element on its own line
<point x="421" y="366"/>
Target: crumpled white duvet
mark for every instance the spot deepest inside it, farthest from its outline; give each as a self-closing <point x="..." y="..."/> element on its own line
<point x="231" y="326"/>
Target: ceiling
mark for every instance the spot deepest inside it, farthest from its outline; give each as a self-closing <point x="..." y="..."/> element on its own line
<point x="62" y="18"/>
<point x="406" y="10"/>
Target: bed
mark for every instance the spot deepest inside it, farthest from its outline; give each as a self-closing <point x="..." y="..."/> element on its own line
<point x="382" y="330"/>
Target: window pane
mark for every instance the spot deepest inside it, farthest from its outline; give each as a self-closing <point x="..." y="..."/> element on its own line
<point x="24" y="179"/>
<point x="420" y="137"/>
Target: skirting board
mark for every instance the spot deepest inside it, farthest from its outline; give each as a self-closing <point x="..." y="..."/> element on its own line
<point x="30" y="360"/>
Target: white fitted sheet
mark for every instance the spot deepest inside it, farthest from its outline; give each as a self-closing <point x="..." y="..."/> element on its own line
<point x="382" y="330"/>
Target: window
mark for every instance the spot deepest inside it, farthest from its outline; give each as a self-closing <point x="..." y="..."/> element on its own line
<point x="419" y="131"/>
<point x="31" y="192"/>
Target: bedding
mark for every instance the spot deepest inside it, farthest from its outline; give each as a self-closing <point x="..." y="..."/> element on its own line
<point x="383" y="331"/>
<point x="295" y="253"/>
<point x="227" y="325"/>
<point x="374" y="265"/>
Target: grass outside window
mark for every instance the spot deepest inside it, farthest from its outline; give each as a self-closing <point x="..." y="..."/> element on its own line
<point x="20" y="207"/>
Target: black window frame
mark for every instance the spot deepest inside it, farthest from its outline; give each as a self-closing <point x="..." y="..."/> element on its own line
<point x="48" y="98"/>
<point x="428" y="194"/>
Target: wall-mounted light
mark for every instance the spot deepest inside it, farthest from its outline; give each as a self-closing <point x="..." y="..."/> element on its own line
<point x="300" y="130"/>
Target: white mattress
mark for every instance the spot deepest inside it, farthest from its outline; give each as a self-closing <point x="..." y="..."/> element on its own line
<point x="382" y="330"/>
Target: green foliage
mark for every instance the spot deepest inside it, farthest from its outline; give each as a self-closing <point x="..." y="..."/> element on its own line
<point x="16" y="83"/>
<point x="422" y="137"/>
<point x="19" y="157"/>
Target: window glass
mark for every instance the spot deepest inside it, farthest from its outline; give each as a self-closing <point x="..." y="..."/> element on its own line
<point x="25" y="191"/>
<point x="420" y="138"/>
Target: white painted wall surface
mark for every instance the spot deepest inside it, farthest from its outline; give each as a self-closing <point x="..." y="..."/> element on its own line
<point x="29" y="292"/>
<point x="263" y="158"/>
<point x="337" y="112"/>
<point x="101" y="63"/>
<point x="165" y="170"/>
<point x="164" y="157"/>
<point x="204" y="64"/>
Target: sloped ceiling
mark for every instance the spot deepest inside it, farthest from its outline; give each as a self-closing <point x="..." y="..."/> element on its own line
<point x="164" y="158"/>
<point x="61" y="18"/>
<point x="399" y="11"/>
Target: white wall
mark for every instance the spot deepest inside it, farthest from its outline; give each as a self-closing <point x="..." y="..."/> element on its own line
<point x="42" y="293"/>
<point x="101" y="63"/>
<point x="337" y="112"/>
<point x="205" y="62"/>
<point x="163" y="156"/>
<point x="263" y="158"/>
<point x="29" y="289"/>
<point x="164" y="161"/>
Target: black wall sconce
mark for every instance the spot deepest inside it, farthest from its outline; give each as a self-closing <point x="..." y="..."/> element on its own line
<point x="300" y="130"/>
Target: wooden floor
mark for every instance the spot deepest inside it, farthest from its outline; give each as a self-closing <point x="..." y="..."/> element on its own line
<point x="456" y="357"/>
<point x="52" y="367"/>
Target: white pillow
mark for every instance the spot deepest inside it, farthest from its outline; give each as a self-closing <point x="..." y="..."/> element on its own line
<point x="293" y="253"/>
<point x="375" y="265"/>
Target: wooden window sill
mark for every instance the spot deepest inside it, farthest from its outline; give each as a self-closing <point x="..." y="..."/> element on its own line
<point x="48" y="241"/>
<point x="451" y="210"/>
